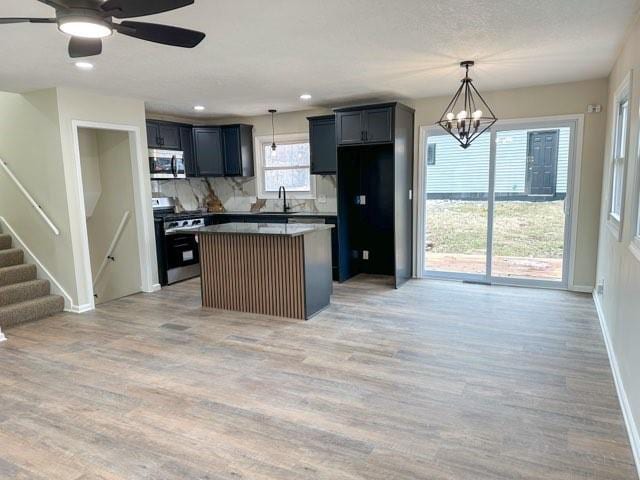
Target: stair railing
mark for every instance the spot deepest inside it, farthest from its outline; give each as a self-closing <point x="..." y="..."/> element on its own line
<point x="24" y="191"/>
<point x="112" y="247"/>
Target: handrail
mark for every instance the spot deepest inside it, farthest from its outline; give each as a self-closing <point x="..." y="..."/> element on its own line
<point x="112" y="247"/>
<point x="33" y="203"/>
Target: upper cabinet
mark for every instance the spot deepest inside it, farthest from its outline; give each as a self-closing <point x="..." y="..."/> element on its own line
<point x="207" y="144"/>
<point x="186" y="141"/>
<point x="209" y="151"/>
<point x="163" y="135"/>
<point x="364" y="125"/>
<point x="322" y="140"/>
<point x="237" y="143"/>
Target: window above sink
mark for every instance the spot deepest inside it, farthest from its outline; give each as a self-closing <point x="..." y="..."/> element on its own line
<point x="289" y="166"/>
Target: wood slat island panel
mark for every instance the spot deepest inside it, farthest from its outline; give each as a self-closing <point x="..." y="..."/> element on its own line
<point x="270" y="269"/>
<point x="259" y="274"/>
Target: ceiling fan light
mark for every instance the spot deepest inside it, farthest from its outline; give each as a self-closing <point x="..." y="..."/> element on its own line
<point x="84" y="27"/>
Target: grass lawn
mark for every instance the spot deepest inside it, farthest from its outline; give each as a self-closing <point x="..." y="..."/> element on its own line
<point x="521" y="229"/>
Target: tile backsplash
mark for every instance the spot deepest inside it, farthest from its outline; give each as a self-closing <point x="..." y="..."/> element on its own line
<point x="238" y="194"/>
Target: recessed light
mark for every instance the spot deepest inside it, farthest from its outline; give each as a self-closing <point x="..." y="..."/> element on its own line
<point x="305" y="96"/>
<point x="84" y="65"/>
<point x="198" y="108"/>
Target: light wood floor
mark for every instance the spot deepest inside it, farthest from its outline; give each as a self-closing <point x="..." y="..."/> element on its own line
<point x="434" y="381"/>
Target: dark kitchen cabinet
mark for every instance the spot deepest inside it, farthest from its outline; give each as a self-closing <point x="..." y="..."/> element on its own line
<point x="209" y="151"/>
<point x="375" y="179"/>
<point x="378" y="125"/>
<point x="170" y="136"/>
<point x="163" y="135"/>
<point x="322" y="140"/>
<point x="153" y="135"/>
<point x="186" y="141"/>
<point x="207" y="145"/>
<point x="365" y="125"/>
<point x="350" y="128"/>
<point x="237" y="141"/>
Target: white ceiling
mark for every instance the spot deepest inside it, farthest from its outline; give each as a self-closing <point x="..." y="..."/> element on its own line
<point x="261" y="54"/>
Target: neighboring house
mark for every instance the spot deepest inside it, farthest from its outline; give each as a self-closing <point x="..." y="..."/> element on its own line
<point x="453" y="172"/>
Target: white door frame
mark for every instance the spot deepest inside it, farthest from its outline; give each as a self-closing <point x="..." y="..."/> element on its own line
<point x="576" y="122"/>
<point x="142" y="205"/>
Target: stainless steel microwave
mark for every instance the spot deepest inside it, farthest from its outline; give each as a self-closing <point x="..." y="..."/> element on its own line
<point x="166" y="164"/>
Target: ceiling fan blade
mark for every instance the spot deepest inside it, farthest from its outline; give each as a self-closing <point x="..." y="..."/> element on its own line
<point x="84" y="47"/>
<point x="141" y="8"/>
<point x="55" y="3"/>
<point x="164" y="34"/>
<point x="26" y="20"/>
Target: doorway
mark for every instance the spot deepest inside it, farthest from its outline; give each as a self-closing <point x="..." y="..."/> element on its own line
<point x="501" y="210"/>
<point x="105" y="159"/>
<point x="140" y="217"/>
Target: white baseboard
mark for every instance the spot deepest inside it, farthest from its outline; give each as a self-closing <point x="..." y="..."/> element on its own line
<point x="582" y="288"/>
<point x="2" y="337"/>
<point x="156" y="287"/>
<point x="79" y="308"/>
<point x="627" y="413"/>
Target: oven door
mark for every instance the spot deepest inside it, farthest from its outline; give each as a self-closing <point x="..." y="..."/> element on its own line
<point x="183" y="256"/>
<point x="166" y="164"/>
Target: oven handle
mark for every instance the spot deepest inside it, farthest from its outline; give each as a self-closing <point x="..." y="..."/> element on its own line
<point x="173" y="166"/>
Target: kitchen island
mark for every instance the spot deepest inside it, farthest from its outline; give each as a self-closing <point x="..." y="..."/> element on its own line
<point x="268" y="268"/>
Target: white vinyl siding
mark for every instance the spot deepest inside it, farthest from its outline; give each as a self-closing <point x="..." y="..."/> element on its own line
<point x="467" y="171"/>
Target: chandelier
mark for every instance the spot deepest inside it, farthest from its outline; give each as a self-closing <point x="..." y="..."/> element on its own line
<point x="473" y="116"/>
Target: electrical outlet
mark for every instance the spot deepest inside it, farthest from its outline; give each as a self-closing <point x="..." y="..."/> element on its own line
<point x="594" y="108"/>
<point x="365" y="254"/>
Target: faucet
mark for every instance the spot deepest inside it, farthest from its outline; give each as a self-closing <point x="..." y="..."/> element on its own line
<point x="282" y="192"/>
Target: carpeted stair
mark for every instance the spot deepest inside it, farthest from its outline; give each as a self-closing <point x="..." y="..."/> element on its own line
<point x="23" y="297"/>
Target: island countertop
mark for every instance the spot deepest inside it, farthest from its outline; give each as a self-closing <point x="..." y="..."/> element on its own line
<point x="269" y="229"/>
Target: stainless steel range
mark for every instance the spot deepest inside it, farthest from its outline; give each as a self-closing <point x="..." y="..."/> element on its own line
<point x="176" y="244"/>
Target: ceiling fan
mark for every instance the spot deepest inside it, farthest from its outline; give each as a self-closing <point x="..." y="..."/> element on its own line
<point x="89" y="21"/>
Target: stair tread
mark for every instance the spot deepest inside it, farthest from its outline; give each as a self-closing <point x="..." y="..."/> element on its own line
<point x="30" y="310"/>
<point x="23" y="291"/>
<point x="9" y="251"/>
<point x="44" y="299"/>
<point x="11" y="256"/>
<point x="17" y="267"/>
<point x="5" y="241"/>
<point x="24" y="284"/>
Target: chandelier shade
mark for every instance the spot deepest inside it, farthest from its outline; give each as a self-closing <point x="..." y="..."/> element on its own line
<point x="468" y="115"/>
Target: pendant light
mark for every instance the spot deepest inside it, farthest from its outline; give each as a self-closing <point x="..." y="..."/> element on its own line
<point x="273" y="131"/>
<point x="473" y="117"/>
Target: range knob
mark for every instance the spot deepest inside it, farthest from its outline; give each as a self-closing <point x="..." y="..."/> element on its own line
<point x="185" y="223"/>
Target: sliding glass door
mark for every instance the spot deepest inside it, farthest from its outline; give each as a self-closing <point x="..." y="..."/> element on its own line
<point x="456" y="207"/>
<point x="499" y="212"/>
